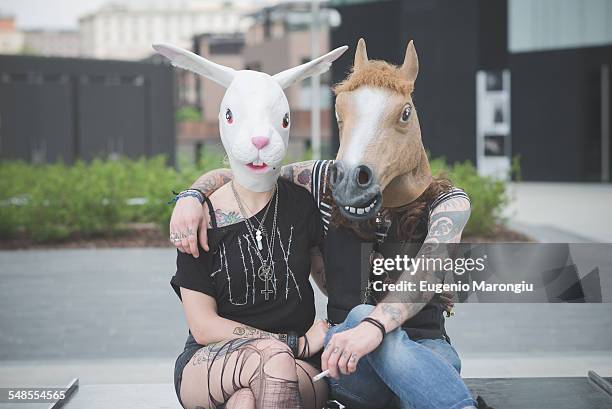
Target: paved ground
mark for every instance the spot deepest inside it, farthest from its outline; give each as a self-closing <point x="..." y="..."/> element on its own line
<point x="560" y="211"/>
<point x="110" y="316"/>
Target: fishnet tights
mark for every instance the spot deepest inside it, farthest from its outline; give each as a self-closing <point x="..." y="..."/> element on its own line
<point x="261" y="373"/>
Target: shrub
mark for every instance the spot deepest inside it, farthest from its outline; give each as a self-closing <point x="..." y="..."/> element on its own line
<point x="488" y="196"/>
<point x="55" y="201"/>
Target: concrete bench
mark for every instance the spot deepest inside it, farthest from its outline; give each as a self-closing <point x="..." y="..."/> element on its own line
<point x="591" y="392"/>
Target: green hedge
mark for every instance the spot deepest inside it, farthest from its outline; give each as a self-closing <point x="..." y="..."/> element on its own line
<point x="49" y="202"/>
<point x="55" y="201"/>
<point x="489" y="196"/>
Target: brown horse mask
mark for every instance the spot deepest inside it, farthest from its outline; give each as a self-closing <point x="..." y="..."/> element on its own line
<point x="381" y="160"/>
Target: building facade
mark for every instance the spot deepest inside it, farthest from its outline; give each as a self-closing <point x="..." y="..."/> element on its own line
<point x="126" y="33"/>
<point x="52" y="43"/>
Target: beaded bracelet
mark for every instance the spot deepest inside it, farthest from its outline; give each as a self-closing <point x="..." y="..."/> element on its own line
<point x="188" y="193"/>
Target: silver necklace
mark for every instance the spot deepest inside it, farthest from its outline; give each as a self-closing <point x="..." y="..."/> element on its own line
<point x="265" y="270"/>
<point x="261" y="230"/>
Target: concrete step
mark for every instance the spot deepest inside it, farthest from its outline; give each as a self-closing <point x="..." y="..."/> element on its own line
<point x="500" y="393"/>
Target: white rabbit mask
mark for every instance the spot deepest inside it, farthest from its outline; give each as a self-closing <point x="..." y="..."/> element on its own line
<point x="254" y="118"/>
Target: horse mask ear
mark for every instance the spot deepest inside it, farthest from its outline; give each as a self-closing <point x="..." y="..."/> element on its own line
<point x="361" y="55"/>
<point x="410" y="67"/>
<point x="315" y="67"/>
<point x="187" y="60"/>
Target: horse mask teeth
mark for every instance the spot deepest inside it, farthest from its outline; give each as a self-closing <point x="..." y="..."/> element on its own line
<point x="254" y="113"/>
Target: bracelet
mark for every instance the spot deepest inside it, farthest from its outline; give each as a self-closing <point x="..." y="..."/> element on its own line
<point x="189" y="193"/>
<point x="377" y="324"/>
<point x="293" y="342"/>
<point x="305" y="352"/>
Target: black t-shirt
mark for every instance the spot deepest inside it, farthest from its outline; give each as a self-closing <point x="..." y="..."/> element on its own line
<point x="228" y="272"/>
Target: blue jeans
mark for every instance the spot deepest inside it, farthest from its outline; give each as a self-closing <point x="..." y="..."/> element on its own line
<point x="412" y="375"/>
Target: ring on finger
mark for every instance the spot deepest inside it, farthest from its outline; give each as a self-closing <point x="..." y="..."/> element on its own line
<point x="345" y="354"/>
<point x="335" y="350"/>
<point x="353" y="357"/>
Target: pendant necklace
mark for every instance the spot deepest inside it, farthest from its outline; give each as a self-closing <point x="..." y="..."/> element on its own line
<point x="264" y="272"/>
<point x="261" y="228"/>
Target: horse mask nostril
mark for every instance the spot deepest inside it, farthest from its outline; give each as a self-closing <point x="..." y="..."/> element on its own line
<point x="336" y="173"/>
<point x="364" y="175"/>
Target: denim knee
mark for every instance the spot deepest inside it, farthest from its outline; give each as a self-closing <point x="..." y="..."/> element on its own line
<point x="358" y="313"/>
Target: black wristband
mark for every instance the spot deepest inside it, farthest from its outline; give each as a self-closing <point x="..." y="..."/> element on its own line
<point x="293" y="342"/>
<point x="377" y="324"/>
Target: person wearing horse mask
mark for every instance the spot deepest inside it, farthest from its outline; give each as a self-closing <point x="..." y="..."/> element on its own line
<point x="253" y="342"/>
<point x="383" y="348"/>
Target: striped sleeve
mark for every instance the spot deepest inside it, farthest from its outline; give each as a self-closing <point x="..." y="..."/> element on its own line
<point x="444" y="196"/>
<point x="319" y="191"/>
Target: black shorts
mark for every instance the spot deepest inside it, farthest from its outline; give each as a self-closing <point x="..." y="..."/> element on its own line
<point x="180" y="364"/>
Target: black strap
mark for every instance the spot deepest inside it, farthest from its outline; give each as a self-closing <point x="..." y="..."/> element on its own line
<point x="383" y="224"/>
<point x="211" y="212"/>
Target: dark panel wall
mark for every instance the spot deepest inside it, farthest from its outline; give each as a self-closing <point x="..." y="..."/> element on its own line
<point x="451" y="43"/>
<point x="63" y="109"/>
<point x="556" y="113"/>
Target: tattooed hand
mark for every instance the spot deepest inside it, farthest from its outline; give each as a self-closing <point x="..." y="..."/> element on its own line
<point x="186" y="220"/>
<point x="188" y="215"/>
<point x="346" y="348"/>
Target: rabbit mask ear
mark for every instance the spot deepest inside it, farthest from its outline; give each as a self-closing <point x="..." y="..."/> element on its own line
<point x="187" y="60"/>
<point x="315" y="67"/>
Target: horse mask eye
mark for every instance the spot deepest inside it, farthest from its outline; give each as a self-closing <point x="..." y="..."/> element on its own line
<point x="229" y="117"/>
<point x="286" y="121"/>
<point x="406" y="113"/>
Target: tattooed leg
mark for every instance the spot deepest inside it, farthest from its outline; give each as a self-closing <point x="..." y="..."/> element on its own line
<point x="264" y="366"/>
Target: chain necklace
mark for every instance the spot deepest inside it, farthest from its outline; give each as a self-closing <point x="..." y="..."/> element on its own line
<point x="265" y="270"/>
<point x="261" y="229"/>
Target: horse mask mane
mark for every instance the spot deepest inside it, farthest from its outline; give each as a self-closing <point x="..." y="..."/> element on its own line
<point x="254" y="117"/>
<point x="381" y="158"/>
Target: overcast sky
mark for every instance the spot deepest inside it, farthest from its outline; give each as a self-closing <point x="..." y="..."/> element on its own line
<point x="55" y="13"/>
<point x="50" y="13"/>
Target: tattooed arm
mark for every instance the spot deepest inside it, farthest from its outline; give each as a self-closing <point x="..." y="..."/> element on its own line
<point x="446" y="225"/>
<point x="188" y="220"/>
<point x="299" y="173"/>
<point x="207" y="326"/>
<point x="213" y="180"/>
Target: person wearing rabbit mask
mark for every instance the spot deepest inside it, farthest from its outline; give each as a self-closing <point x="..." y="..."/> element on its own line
<point x="253" y="341"/>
